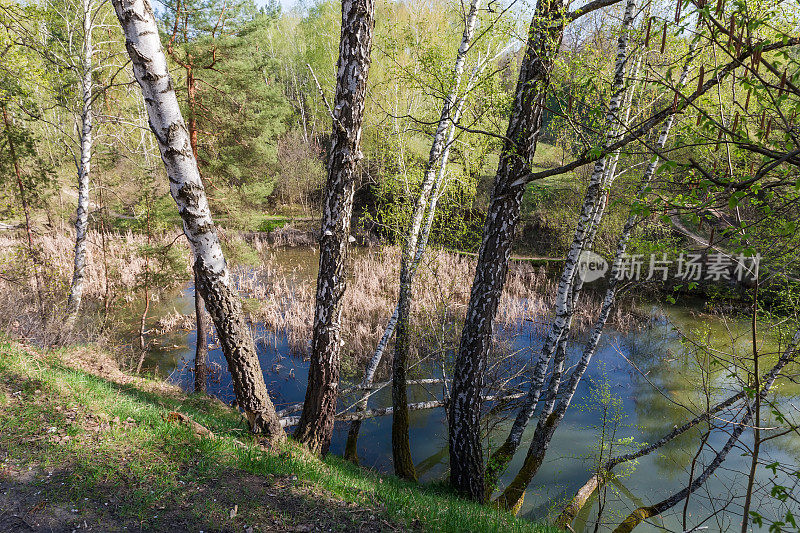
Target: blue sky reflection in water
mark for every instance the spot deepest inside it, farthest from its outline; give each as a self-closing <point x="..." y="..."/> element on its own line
<point x="648" y="373"/>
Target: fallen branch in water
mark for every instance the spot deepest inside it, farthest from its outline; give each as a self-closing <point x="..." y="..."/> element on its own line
<point x="370" y="413"/>
<point x="596" y="481"/>
<point x="288" y="421"/>
<point x="375" y="387"/>
<point x="643" y="513"/>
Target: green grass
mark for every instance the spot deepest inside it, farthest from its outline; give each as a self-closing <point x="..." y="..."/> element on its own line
<point x="271" y="224"/>
<point x="146" y="461"/>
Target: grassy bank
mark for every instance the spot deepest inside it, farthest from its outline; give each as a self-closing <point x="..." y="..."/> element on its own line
<point x="82" y="444"/>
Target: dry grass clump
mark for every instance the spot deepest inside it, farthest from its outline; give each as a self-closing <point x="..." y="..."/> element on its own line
<point x="114" y="271"/>
<point x="283" y="299"/>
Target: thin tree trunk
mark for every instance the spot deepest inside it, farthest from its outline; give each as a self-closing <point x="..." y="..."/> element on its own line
<point x="598" y="479"/>
<point x="142" y="323"/>
<point x="316" y="423"/>
<point x="23" y="198"/>
<point x="201" y="320"/>
<point x="351" y="452"/>
<point x="385" y="411"/>
<point x="214" y="281"/>
<point x="643" y="513"/>
<point x="201" y="347"/>
<point x="757" y="418"/>
<point x="499" y="461"/>
<point x="369" y="413"/>
<point x="146" y="310"/>
<point x="466" y="452"/>
<point x="550" y="418"/>
<point x="569" y="287"/>
<point x="351" y="446"/>
<point x="82" y="212"/>
<point x="401" y="447"/>
<point x="191" y="96"/>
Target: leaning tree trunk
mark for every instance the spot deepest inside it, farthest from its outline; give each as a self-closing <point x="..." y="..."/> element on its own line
<point x="466" y="452"/>
<point x="316" y="422"/>
<point x="201" y="345"/>
<point x="401" y="447"/>
<point x="82" y="213"/>
<point x="552" y="415"/>
<point x="568" y="286"/>
<point x="213" y="278"/>
<point x="643" y="513"/>
<point x="583" y="494"/>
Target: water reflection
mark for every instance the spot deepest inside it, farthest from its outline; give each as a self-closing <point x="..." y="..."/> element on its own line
<point x="654" y="375"/>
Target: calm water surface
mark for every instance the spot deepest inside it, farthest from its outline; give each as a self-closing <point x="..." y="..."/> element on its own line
<point x="645" y="374"/>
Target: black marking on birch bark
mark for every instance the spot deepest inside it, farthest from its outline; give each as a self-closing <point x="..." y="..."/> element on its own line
<point x="316" y="422"/>
<point x="213" y="278"/>
<point x="466" y="457"/>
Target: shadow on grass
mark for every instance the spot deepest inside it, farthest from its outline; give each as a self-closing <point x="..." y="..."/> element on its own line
<point x="146" y="472"/>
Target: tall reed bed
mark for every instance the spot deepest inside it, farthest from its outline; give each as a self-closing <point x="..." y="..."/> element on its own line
<point x="115" y="271"/>
<point x="278" y="286"/>
<point x="282" y="298"/>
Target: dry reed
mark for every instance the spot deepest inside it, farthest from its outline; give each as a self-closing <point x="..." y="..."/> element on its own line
<point x="281" y="297"/>
<point x="284" y="299"/>
<point x="114" y="267"/>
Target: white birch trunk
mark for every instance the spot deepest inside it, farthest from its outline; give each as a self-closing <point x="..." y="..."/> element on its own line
<point x="610" y="296"/>
<point x="288" y="421"/>
<point x="585" y="228"/>
<point x="609" y="175"/>
<point x="84" y="166"/>
<point x="214" y="282"/>
<point x="551" y="416"/>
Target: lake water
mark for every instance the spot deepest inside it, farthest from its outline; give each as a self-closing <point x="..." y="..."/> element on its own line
<point x="648" y="374"/>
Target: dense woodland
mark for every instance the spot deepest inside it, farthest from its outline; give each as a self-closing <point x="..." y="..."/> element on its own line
<point x="481" y="150"/>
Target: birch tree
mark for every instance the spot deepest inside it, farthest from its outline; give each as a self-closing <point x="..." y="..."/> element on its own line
<point x="87" y="15"/>
<point x="316" y="422"/>
<point x="214" y="280"/>
<point x="466" y="453"/>
<point x="557" y="400"/>
<point x="413" y="250"/>
<point x="569" y="285"/>
<point x="62" y="35"/>
<point x="465" y="447"/>
<point x="422" y="218"/>
<point x="553" y="411"/>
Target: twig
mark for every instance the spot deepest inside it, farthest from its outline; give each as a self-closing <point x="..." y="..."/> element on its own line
<point x="336" y="121"/>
